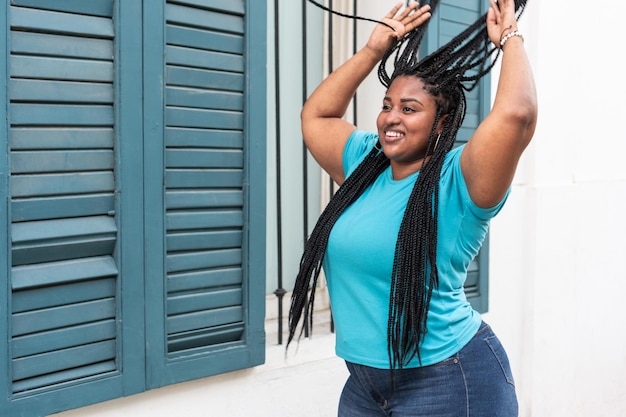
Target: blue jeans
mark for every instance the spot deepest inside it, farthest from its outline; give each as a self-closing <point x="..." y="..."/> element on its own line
<point x="475" y="382"/>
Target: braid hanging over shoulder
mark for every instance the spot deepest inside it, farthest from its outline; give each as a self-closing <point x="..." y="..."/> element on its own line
<point x="447" y="73"/>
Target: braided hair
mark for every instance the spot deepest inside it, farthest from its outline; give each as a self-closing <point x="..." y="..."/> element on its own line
<point x="447" y="74"/>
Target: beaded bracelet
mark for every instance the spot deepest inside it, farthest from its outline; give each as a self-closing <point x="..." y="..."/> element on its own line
<point x="509" y="36"/>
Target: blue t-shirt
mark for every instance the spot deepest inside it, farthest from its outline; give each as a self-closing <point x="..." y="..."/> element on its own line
<point x="360" y="253"/>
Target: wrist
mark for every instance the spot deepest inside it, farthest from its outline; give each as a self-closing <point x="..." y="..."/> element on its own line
<point x="372" y="53"/>
<point x="509" y="35"/>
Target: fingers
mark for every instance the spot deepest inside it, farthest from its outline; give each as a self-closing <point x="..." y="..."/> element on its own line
<point x="494" y="12"/>
<point x="417" y="17"/>
<point x="408" y="10"/>
<point x="393" y="11"/>
<point x="410" y="18"/>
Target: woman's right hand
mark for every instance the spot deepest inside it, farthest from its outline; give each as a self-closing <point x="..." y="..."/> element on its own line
<point x="409" y="19"/>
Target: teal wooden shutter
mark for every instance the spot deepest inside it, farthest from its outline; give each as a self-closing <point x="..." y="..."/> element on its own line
<point x="206" y="281"/>
<point x="133" y="184"/>
<point x="64" y="335"/>
<point x="450" y="19"/>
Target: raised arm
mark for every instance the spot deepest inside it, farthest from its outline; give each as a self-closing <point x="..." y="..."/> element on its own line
<point x="490" y="158"/>
<point x="324" y="130"/>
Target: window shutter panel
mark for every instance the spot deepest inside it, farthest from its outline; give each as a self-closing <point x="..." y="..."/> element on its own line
<point x="64" y="335"/>
<point x="452" y="17"/>
<point x="211" y="156"/>
<point x="134" y="194"/>
<point x="64" y="274"/>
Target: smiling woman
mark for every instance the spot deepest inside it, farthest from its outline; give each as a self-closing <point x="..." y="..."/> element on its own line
<point x="404" y="126"/>
<point x="398" y="237"/>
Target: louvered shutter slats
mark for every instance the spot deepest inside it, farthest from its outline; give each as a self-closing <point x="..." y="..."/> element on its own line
<point x="66" y="23"/>
<point x="128" y="201"/>
<point x="92" y="7"/>
<point x="198" y="17"/>
<point x="204" y="173"/>
<point x="192" y="77"/>
<point x="63" y="233"/>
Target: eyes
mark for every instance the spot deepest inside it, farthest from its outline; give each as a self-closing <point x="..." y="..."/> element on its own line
<point x="404" y="109"/>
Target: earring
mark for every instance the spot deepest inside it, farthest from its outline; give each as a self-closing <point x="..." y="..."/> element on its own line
<point x="436" y="142"/>
<point x="377" y="146"/>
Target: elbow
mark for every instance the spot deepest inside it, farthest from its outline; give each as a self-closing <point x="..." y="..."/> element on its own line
<point x="523" y="118"/>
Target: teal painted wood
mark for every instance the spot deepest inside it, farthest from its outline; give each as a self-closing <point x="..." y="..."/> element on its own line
<point x="183" y="262"/>
<point x="61" y="115"/>
<point x="153" y="26"/>
<point x="204" y="240"/>
<point x="61" y="69"/>
<point x="256" y="185"/>
<point x="191" y="77"/>
<point x="51" y="400"/>
<point x="452" y="17"/>
<point x="129" y="88"/>
<point x="42" y="298"/>
<point x="186" y="220"/>
<point x="61" y="161"/>
<point x="60" y="45"/>
<point x="57" y="317"/>
<point x="203" y="18"/>
<point x="226" y="6"/>
<point x="194" y="58"/>
<point x="5" y="215"/>
<point x="55" y="91"/>
<point x="65" y="325"/>
<point x="64" y="23"/>
<point x="200" y="118"/>
<point x="205" y="279"/>
<point x="75" y="270"/>
<point x="219" y="178"/>
<point x="78" y="204"/>
<point x="185" y="137"/>
<point x="200" y="39"/>
<point x="203" y="99"/>
<point x="57" y="207"/>
<point x="63" y="338"/>
<point x="204" y="158"/>
<point x="200" y="301"/>
<point x="102" y="8"/>
<point x="58" y="184"/>
<point x="203" y="198"/>
<point x="218" y="335"/>
<point x="62" y="360"/>
<point x="60" y="251"/>
<point x="204" y="319"/>
<point x="45" y="138"/>
<point x="62" y="229"/>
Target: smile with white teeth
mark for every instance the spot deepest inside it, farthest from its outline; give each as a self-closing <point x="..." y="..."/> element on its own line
<point x="393" y="134"/>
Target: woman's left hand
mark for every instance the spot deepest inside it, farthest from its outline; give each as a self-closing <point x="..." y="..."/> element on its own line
<point x="501" y="20"/>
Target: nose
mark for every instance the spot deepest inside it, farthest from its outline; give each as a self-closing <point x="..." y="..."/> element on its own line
<point x="392" y="117"/>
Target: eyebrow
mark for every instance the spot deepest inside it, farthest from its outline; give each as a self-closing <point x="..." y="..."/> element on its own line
<point x="406" y="100"/>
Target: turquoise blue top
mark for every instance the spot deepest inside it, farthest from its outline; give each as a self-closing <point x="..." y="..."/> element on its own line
<point x="360" y="254"/>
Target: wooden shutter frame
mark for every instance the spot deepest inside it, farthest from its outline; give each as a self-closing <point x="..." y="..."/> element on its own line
<point x="164" y="368"/>
<point x="134" y="350"/>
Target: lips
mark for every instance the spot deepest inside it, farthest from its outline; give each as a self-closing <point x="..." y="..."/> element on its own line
<point x="392" y="135"/>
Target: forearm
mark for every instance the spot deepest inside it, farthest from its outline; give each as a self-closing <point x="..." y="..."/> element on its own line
<point x="516" y="96"/>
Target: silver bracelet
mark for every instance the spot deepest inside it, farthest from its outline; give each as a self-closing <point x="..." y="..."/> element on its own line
<point x="509" y="36"/>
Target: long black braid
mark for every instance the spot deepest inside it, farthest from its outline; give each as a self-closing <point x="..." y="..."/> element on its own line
<point x="315" y="247"/>
<point x="446" y="74"/>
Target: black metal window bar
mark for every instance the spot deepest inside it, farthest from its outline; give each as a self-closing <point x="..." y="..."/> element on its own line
<point x="280" y="290"/>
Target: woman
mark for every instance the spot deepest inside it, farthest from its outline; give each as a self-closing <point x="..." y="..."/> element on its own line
<point x="397" y="238"/>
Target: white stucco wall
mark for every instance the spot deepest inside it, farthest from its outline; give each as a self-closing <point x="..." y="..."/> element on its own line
<point x="557" y="249"/>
